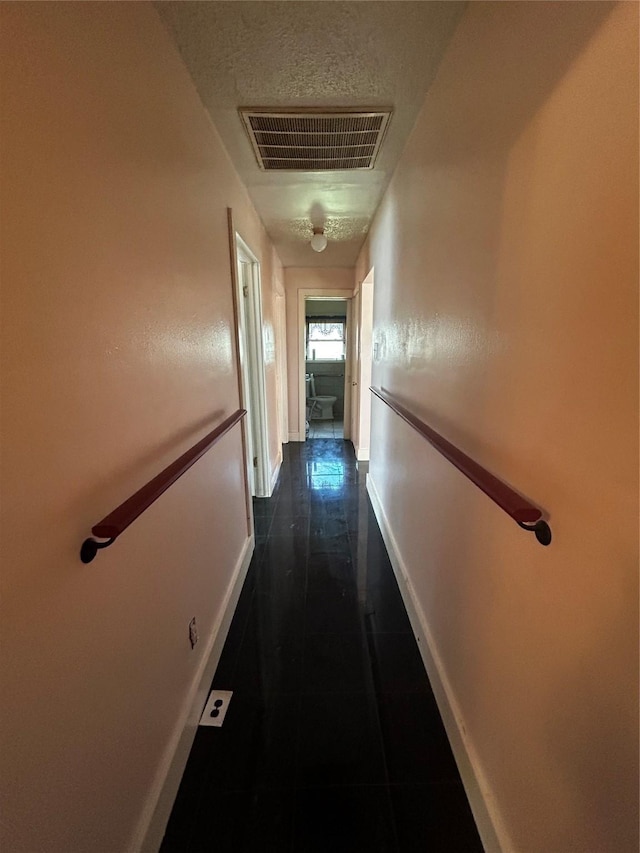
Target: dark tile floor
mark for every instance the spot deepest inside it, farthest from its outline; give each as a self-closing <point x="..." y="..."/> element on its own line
<point x="333" y="740"/>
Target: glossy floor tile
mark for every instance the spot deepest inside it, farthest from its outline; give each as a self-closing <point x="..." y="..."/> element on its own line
<point x="325" y="429"/>
<point x="333" y="739"/>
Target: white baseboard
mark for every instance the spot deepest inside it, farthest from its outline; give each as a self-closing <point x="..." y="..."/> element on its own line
<point x="295" y="436"/>
<point x="155" y="816"/>
<point x="362" y="454"/>
<point x="493" y="834"/>
<point x="275" y="474"/>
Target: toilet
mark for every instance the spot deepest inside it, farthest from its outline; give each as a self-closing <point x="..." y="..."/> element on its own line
<point x="321" y="406"/>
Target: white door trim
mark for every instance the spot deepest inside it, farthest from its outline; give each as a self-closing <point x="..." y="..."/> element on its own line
<point x="281" y="367"/>
<point x="252" y="367"/>
<point x="355" y="371"/>
<point x="363" y="364"/>
<point x="244" y="426"/>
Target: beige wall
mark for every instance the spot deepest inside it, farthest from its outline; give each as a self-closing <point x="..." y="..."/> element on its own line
<point x="296" y="279"/>
<point x="506" y="263"/>
<point x="117" y="333"/>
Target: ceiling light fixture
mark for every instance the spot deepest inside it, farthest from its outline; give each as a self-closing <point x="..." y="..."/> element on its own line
<point x="318" y="241"/>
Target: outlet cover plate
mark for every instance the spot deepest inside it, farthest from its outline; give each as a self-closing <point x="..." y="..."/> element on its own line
<point x="216" y="708"/>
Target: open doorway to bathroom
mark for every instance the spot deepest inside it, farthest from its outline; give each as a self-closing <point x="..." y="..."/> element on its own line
<point x="326" y="358"/>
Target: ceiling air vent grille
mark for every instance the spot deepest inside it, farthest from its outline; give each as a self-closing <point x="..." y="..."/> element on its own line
<point x="315" y="142"/>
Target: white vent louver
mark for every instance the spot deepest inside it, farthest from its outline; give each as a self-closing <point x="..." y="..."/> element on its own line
<point x="315" y="141"/>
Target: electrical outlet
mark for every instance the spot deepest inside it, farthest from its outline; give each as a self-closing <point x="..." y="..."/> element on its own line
<point x="216" y="708"/>
<point x="193" y="632"/>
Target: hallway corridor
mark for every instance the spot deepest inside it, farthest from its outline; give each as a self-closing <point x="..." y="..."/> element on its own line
<point x="332" y="740"/>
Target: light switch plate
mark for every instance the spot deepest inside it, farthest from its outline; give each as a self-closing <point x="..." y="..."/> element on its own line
<point x="216" y="708"/>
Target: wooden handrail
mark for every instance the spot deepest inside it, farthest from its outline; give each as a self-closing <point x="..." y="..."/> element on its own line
<point x="112" y="525"/>
<point x="519" y="508"/>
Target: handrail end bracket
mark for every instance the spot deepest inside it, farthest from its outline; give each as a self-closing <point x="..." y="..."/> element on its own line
<point x="90" y="548"/>
<point x="540" y="529"/>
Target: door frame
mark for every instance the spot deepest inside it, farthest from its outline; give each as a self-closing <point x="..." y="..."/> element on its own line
<point x="280" y="312"/>
<point x="330" y="293"/>
<point x="362" y="367"/>
<point x="248" y="292"/>
<point x="355" y="361"/>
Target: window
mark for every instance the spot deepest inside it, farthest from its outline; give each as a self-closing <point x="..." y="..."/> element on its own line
<point x="326" y="339"/>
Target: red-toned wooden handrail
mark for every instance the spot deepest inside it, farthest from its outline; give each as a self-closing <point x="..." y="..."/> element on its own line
<point x="520" y="509"/>
<point x="113" y="524"/>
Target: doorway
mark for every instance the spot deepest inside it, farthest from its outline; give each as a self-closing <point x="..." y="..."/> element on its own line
<point x="251" y="356"/>
<point x="325" y="366"/>
<point x="343" y="366"/>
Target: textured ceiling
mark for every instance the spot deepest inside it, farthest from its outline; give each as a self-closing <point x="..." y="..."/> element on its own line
<point x="289" y="54"/>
